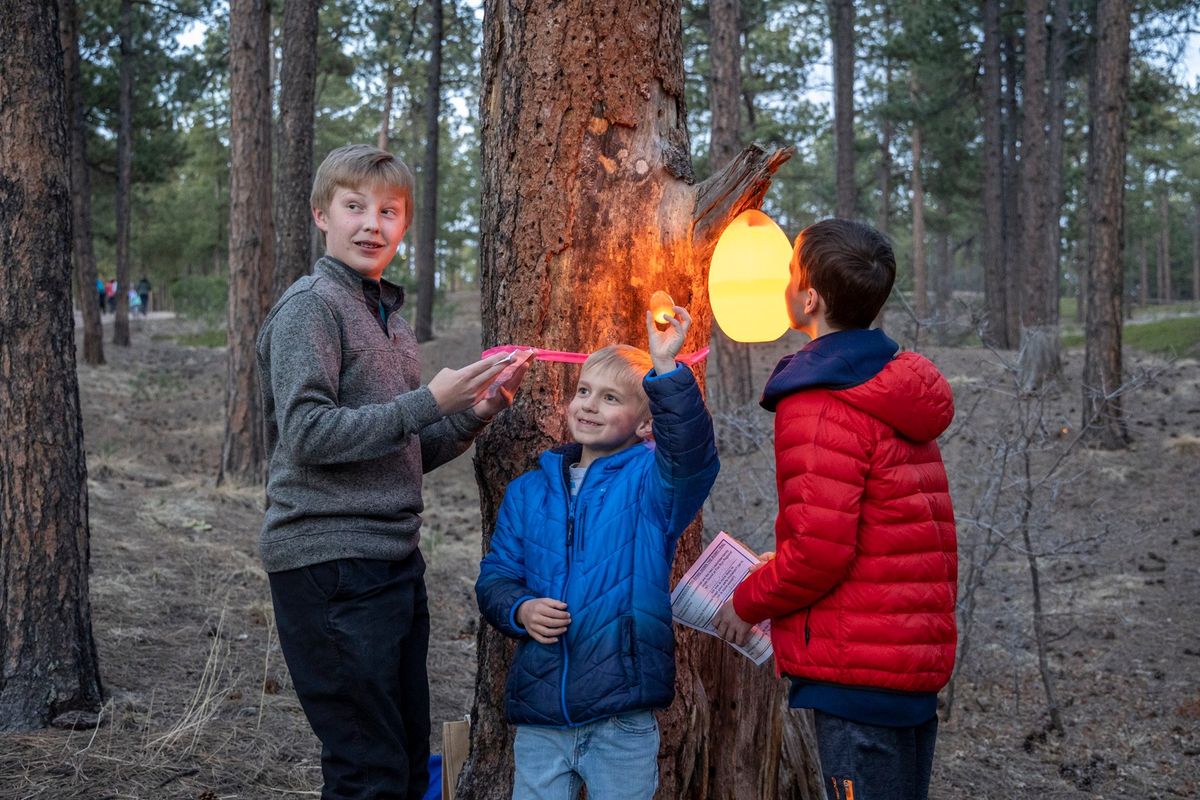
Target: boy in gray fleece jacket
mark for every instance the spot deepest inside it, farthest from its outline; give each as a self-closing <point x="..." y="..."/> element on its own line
<point x="350" y="431"/>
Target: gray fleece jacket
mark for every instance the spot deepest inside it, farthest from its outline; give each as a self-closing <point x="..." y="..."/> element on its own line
<point x="350" y="429"/>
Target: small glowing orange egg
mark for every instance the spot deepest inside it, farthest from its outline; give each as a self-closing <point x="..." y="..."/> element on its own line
<point x="662" y="306"/>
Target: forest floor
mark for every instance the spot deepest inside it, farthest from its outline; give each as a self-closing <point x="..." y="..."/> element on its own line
<point x="199" y="703"/>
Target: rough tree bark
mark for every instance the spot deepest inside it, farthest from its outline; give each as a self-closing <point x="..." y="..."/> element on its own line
<point x="81" y="186"/>
<point x="124" y="171"/>
<point x="251" y="234"/>
<point x="297" y="102"/>
<point x="427" y="215"/>
<point x="588" y="208"/>
<point x="995" y="294"/>
<point x="1039" y="357"/>
<point x="732" y="383"/>
<point x="1108" y="98"/>
<point x="47" y="654"/>
<point x="841" y="26"/>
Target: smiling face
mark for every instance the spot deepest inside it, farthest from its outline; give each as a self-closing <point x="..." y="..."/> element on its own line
<point x="607" y="414"/>
<point x="363" y="227"/>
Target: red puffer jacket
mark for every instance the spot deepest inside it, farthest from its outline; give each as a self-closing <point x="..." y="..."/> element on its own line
<point x="862" y="589"/>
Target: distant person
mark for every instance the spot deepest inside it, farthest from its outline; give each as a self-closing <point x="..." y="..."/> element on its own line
<point x="579" y="573"/>
<point x="350" y="430"/>
<point x="100" y="294"/>
<point x="143" y="291"/>
<point x="135" y="303"/>
<point x="861" y="589"/>
<point x="110" y="294"/>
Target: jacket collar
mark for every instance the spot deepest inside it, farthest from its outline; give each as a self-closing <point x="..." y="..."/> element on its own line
<point x="329" y="267"/>
<point x="836" y="360"/>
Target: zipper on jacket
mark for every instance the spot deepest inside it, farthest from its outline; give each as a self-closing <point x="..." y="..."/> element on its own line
<point x="562" y="640"/>
<point x="807" y="630"/>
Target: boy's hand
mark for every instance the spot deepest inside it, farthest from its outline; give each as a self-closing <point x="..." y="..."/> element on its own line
<point x="489" y="407"/>
<point x="457" y="390"/>
<point x="665" y="345"/>
<point x="731" y="627"/>
<point x="544" y="619"/>
<point x="763" y="558"/>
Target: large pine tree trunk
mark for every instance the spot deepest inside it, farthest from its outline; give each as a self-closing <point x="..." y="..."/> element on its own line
<point x="297" y="101"/>
<point x="995" y="294"/>
<point x="1039" y="359"/>
<point x="47" y="654"/>
<point x="427" y="215"/>
<point x="588" y="208"/>
<point x="251" y="234"/>
<point x="841" y="26"/>
<point x="732" y="383"/>
<point x="1108" y="98"/>
<point x="124" y="171"/>
<point x="81" y="186"/>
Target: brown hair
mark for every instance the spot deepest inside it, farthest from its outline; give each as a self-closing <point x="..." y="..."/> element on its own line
<point x="357" y="165"/>
<point x="852" y="267"/>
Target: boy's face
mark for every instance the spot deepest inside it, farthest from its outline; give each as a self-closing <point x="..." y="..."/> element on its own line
<point x="363" y="227"/>
<point x="606" y="416"/>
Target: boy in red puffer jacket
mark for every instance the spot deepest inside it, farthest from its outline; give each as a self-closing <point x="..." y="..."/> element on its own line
<point x="861" y="590"/>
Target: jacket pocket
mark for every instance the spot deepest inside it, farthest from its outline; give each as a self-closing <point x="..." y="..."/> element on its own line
<point x="629" y="651"/>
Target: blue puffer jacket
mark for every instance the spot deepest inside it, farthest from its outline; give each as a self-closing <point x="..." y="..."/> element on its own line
<point x="607" y="554"/>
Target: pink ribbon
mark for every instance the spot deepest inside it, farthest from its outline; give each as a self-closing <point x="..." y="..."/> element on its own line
<point x="578" y="358"/>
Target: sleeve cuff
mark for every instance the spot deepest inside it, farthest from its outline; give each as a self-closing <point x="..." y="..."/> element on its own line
<point x="468" y="423"/>
<point x="419" y="407"/>
<point x="654" y="375"/>
<point x="512" y="614"/>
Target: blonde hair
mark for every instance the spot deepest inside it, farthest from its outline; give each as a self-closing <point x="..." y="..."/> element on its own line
<point x="625" y="363"/>
<point x="357" y="165"/>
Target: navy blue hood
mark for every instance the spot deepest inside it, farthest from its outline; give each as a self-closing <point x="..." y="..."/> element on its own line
<point x="838" y="360"/>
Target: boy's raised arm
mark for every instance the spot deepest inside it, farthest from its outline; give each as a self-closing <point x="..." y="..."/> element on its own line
<point x="685" y="444"/>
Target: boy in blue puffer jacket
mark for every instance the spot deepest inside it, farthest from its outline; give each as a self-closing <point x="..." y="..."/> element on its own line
<point x="579" y="572"/>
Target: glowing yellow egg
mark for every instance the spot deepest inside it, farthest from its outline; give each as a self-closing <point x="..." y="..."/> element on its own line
<point x="747" y="278"/>
<point x="662" y="307"/>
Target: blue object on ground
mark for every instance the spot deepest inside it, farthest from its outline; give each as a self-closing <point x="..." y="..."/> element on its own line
<point x="434" y="792"/>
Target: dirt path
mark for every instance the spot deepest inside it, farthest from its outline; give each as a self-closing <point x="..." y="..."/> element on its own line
<point x="201" y="705"/>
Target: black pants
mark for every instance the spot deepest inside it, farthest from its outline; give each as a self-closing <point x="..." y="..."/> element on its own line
<point x="868" y="762"/>
<point x="355" y="633"/>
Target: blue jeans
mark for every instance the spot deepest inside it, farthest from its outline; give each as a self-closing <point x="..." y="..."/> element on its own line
<point x="616" y="758"/>
<point x="869" y="762"/>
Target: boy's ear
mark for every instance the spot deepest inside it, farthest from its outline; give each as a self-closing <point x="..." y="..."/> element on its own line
<point x="645" y="428"/>
<point x="320" y="218"/>
<point x="813" y="302"/>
